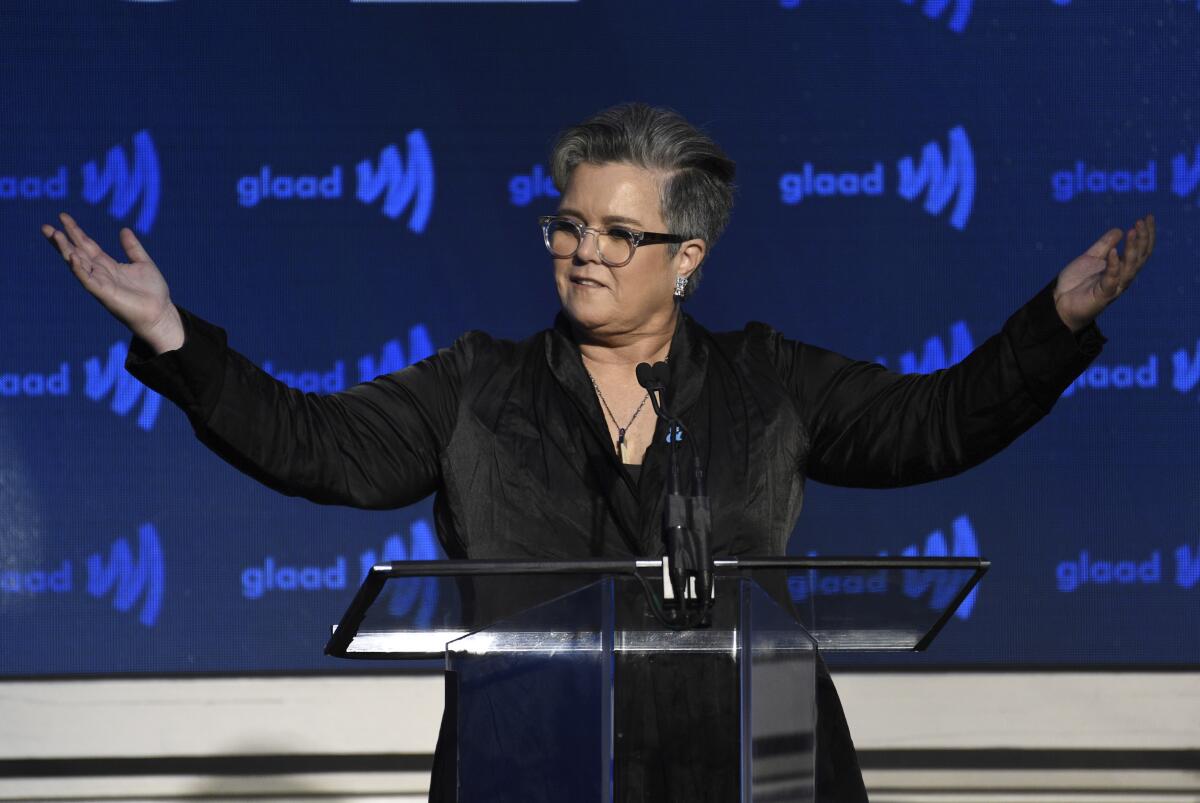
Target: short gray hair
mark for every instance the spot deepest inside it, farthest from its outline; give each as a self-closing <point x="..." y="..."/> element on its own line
<point x="697" y="194"/>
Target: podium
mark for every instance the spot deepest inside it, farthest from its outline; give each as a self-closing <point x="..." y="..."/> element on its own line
<point x="568" y="680"/>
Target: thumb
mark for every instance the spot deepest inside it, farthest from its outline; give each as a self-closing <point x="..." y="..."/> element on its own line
<point x="133" y="247"/>
<point x="1101" y="247"/>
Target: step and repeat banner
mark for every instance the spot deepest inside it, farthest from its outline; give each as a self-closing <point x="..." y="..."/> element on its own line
<point x="347" y="186"/>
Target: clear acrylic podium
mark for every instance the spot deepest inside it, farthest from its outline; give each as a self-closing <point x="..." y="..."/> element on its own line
<point x="567" y="685"/>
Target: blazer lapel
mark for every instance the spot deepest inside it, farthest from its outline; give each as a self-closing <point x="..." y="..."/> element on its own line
<point x="566" y="365"/>
<point x="637" y="507"/>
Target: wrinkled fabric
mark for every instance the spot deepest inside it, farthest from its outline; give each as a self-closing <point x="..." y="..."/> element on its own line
<point x="511" y="439"/>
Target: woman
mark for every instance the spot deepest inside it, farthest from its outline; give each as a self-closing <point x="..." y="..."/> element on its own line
<point x="544" y="447"/>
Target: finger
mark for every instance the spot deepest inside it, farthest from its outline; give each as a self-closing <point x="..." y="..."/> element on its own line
<point x="1133" y="247"/>
<point x="1130" y="259"/>
<point x="1135" y="257"/>
<point x="1150" y="231"/>
<point x="1138" y="258"/>
<point x="60" y="241"/>
<point x="81" y="240"/>
<point x="1105" y="243"/>
<point x="51" y="234"/>
<point x="1136" y="254"/>
<point x="1143" y="243"/>
<point x="133" y="247"/>
<point x="1110" y="284"/>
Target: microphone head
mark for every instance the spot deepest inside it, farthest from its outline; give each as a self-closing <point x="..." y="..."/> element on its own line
<point x="647" y="378"/>
<point x="662" y="374"/>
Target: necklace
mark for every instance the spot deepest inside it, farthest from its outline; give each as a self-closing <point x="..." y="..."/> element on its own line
<point x="620" y="429"/>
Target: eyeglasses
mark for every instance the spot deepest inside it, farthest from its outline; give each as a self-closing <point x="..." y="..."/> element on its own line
<point x="615" y="246"/>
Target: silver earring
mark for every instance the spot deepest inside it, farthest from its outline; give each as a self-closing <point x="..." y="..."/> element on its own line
<point x="680" y="286"/>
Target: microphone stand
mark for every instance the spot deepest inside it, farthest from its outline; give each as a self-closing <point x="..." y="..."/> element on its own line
<point x="687" y="521"/>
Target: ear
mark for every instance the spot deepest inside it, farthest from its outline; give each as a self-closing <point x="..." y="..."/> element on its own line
<point x="691" y="253"/>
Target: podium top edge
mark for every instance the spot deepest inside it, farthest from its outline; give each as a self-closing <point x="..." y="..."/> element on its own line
<point x="724" y="566"/>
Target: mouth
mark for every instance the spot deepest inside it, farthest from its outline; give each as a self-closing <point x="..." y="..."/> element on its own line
<point x="583" y="281"/>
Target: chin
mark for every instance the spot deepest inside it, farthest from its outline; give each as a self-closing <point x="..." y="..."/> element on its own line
<point x="590" y="314"/>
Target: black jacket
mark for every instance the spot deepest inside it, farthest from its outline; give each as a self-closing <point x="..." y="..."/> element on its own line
<point x="511" y="438"/>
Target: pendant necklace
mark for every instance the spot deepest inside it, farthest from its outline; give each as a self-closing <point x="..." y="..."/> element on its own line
<point x="621" y="445"/>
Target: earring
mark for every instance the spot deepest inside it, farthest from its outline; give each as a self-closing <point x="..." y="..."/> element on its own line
<point x="680" y="286"/>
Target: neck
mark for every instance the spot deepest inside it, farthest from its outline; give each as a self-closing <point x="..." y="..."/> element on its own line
<point x="646" y="344"/>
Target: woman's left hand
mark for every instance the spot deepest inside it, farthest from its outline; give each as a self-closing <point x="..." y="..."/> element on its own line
<point x="1095" y="278"/>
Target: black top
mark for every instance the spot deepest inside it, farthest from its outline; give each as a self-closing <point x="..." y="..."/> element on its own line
<point x="511" y="438"/>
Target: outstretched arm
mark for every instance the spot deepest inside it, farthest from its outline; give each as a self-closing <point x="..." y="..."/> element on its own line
<point x="871" y="427"/>
<point x="375" y="445"/>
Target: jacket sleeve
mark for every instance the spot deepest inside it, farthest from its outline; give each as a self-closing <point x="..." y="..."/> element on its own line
<point x="870" y="427"/>
<point x="374" y="445"/>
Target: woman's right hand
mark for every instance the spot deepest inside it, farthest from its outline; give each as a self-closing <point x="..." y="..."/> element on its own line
<point x="134" y="292"/>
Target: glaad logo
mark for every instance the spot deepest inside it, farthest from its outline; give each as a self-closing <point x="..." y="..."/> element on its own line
<point x="538" y="184"/>
<point x="1066" y="185"/>
<point x="1118" y="377"/>
<point x="401" y="184"/>
<point x="1087" y="570"/>
<point x="416" y="597"/>
<point x="960" y="11"/>
<point x="943" y="179"/>
<point x="34" y="383"/>
<point x="1186" y="368"/>
<point x="108" y="377"/>
<point x="126" y="182"/>
<point x="941" y="585"/>
<point x="1141" y="374"/>
<point x="957" y="13"/>
<point x="934" y="356"/>
<point x="275" y="576"/>
<point x="1187" y="566"/>
<point x="126" y="185"/>
<point x="37" y="581"/>
<point x="133" y="580"/>
<point x="392" y="357"/>
<point x="937" y="177"/>
<point x="111" y="377"/>
<point x="1195" y="3"/>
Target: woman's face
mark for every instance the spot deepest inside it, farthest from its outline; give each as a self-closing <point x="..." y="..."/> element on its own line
<point x="634" y="297"/>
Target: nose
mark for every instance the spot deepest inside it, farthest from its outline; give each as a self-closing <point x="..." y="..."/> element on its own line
<point x="586" y="252"/>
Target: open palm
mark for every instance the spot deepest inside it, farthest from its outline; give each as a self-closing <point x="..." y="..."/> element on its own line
<point x="1097" y="277"/>
<point x="134" y="292"/>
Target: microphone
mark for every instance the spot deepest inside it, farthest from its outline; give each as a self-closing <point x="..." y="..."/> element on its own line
<point x="654" y="380"/>
<point x="648" y="378"/>
<point x="675" y="511"/>
<point x="662" y="373"/>
<point x="687" y="521"/>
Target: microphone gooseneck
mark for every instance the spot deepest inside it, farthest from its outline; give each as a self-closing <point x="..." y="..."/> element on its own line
<point x="687" y="520"/>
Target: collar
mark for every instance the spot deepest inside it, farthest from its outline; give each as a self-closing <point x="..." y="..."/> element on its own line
<point x="636" y="505"/>
<point x="688" y="358"/>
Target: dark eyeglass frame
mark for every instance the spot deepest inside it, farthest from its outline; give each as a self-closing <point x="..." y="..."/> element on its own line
<point x="637" y="238"/>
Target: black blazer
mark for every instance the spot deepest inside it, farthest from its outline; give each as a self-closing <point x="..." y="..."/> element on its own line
<point x="512" y="440"/>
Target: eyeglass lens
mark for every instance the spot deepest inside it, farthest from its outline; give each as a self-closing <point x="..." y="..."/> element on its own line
<point x="616" y="248"/>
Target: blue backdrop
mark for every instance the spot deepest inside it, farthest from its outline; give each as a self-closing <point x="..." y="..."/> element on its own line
<point x="346" y="186"/>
